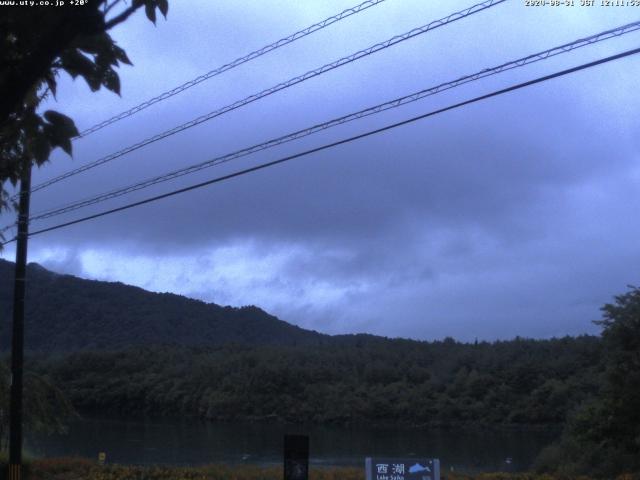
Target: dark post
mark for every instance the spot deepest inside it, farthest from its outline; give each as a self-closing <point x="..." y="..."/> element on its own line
<point x="17" y="340"/>
<point x="296" y="457"/>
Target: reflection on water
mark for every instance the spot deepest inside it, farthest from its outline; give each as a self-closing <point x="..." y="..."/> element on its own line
<point x="193" y="443"/>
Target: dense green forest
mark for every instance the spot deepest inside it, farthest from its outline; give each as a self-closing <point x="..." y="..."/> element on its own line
<point x="354" y="379"/>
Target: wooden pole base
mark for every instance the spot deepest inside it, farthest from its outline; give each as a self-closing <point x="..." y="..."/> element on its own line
<point x="15" y="471"/>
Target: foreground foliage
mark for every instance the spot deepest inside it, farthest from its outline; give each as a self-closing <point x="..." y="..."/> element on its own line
<point x="603" y="437"/>
<point x="45" y="406"/>
<point x="39" y="43"/>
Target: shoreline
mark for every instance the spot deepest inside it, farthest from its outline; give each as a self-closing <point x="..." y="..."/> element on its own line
<point x="73" y="468"/>
<point x="278" y="421"/>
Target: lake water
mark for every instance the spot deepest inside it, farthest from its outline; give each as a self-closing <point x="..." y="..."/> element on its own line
<point x="195" y="443"/>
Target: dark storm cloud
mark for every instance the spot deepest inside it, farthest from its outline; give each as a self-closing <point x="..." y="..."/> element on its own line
<point x="511" y="216"/>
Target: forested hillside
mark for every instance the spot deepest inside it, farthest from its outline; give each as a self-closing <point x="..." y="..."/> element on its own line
<point x="115" y="348"/>
<point x="110" y="348"/>
<point x="66" y="313"/>
<point x="354" y="379"/>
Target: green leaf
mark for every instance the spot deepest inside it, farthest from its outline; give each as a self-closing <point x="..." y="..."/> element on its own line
<point x="94" y="80"/>
<point x="60" y="130"/>
<point x="111" y="81"/>
<point x="75" y="63"/>
<point x="150" y="10"/>
<point x="121" y="55"/>
<point x="58" y="138"/>
<point x="40" y="148"/>
<point x="65" y="144"/>
<point x="94" y="44"/>
<point x="105" y="60"/>
<point x="163" y="5"/>
<point x="61" y="123"/>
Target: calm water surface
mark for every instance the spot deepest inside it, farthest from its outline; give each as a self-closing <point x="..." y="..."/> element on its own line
<point x="194" y="443"/>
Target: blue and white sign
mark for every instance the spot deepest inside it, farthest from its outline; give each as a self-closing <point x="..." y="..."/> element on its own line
<point x="402" y="469"/>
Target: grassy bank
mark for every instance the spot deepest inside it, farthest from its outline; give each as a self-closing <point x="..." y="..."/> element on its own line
<point x="83" y="469"/>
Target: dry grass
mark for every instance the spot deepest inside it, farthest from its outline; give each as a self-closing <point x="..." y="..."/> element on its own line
<point x="83" y="469"/>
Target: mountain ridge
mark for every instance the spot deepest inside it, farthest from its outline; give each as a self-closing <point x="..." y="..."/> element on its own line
<point x="72" y="313"/>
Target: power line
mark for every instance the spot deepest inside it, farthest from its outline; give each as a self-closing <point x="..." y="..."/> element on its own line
<point x="343" y="141"/>
<point x="235" y="63"/>
<point x="281" y="86"/>
<point x="608" y="34"/>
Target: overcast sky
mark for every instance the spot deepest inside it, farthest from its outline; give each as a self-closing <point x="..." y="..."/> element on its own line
<point x="514" y="216"/>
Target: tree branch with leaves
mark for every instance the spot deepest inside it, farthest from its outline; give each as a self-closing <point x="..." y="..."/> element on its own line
<point x="37" y="44"/>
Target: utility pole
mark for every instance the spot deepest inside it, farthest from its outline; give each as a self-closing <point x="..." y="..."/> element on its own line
<point x="17" y="339"/>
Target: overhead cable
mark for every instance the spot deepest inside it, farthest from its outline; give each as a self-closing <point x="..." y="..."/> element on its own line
<point x="340" y="142"/>
<point x="235" y="63"/>
<point x="616" y="32"/>
<point x="281" y="86"/>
